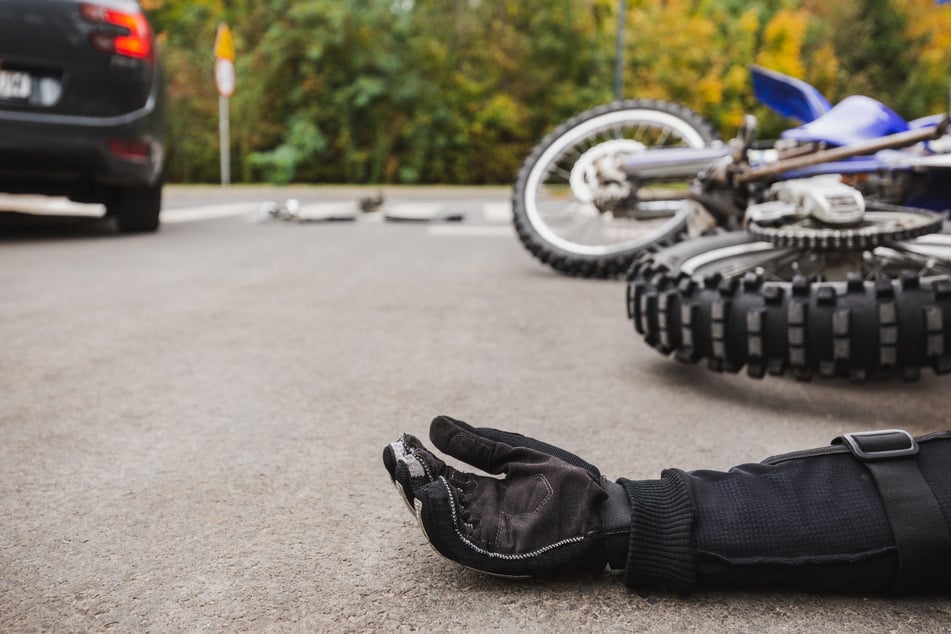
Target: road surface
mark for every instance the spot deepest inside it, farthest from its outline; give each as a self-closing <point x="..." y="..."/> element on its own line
<point x="192" y="421"/>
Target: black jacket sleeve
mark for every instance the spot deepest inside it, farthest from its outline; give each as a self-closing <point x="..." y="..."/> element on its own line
<point x="869" y="513"/>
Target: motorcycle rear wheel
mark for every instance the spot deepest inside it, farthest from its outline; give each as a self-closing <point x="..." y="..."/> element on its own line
<point x="559" y="221"/>
<point x="739" y="302"/>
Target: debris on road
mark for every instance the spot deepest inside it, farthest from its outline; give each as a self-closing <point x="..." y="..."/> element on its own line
<point x="291" y="210"/>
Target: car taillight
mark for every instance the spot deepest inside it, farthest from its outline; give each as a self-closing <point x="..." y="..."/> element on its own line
<point x="135" y="151"/>
<point x="119" y="32"/>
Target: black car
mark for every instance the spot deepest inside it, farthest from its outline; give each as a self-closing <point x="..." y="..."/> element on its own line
<point x="81" y="106"/>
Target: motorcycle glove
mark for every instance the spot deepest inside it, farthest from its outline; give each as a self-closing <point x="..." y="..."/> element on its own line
<point x="552" y="511"/>
<point x="869" y="513"/>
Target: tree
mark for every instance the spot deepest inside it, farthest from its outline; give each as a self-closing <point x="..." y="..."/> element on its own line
<point x="458" y="91"/>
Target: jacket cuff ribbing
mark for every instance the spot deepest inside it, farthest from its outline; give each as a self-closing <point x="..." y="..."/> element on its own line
<point x="661" y="552"/>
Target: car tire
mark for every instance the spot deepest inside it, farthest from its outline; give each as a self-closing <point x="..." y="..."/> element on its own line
<point x="136" y="209"/>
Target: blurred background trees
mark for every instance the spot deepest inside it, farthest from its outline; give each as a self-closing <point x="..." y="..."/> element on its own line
<point x="458" y="91"/>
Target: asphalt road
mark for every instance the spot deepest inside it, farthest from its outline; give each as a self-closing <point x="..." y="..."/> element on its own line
<point x="192" y="422"/>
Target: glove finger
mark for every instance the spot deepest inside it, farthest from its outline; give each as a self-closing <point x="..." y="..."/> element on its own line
<point x="438" y="513"/>
<point x="411" y="466"/>
<point x="492" y="449"/>
<point x="397" y="469"/>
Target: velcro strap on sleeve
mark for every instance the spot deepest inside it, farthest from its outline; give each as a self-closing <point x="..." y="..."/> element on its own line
<point x="917" y="523"/>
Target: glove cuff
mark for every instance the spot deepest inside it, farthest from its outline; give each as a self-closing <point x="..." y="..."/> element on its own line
<point x="615" y="514"/>
<point x="660" y="551"/>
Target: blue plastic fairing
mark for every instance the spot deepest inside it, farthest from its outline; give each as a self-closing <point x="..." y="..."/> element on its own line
<point x="787" y="95"/>
<point x="853" y="120"/>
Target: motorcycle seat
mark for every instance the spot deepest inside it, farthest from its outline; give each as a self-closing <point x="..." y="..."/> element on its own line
<point x="852" y="120"/>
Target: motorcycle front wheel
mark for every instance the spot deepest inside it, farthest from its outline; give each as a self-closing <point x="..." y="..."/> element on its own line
<point x="737" y="301"/>
<point x="574" y="223"/>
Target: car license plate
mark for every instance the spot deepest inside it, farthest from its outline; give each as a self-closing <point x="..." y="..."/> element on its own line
<point x="14" y="85"/>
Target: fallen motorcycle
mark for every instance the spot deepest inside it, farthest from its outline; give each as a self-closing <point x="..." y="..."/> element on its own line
<point x="617" y="181"/>
<point x="821" y="279"/>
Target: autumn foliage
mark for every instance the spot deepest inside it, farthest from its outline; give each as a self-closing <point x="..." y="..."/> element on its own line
<point x="457" y="91"/>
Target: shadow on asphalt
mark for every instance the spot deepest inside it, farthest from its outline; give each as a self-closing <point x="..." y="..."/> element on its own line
<point x="20" y="227"/>
<point x="537" y="270"/>
<point x="837" y="398"/>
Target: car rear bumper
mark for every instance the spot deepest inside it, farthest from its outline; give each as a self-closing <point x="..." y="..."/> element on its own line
<point x="74" y="155"/>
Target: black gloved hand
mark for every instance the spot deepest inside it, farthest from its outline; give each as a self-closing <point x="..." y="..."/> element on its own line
<point x="551" y="512"/>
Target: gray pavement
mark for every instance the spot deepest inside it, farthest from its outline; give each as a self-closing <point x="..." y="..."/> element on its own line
<point x="192" y="425"/>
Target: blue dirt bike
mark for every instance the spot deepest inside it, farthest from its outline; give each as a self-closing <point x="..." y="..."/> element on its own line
<point x="814" y="267"/>
<point x="635" y="176"/>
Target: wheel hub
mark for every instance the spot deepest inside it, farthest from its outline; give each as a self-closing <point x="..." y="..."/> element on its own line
<point x="595" y="177"/>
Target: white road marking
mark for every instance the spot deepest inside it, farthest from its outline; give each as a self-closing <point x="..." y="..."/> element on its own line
<point x="481" y="231"/>
<point x="497" y="212"/>
<point x="208" y="212"/>
<point x="413" y="211"/>
<point x="48" y="206"/>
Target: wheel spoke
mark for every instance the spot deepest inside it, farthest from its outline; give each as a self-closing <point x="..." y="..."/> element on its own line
<point x="913" y="256"/>
<point x="770" y="266"/>
<point x="559" y="213"/>
<point x="581" y="229"/>
<point x="565" y="173"/>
